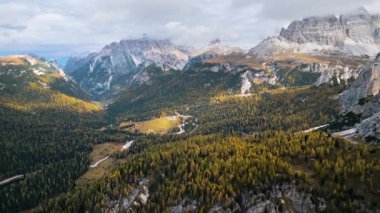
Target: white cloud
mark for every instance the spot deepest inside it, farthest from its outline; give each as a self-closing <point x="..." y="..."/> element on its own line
<point x="65" y="27"/>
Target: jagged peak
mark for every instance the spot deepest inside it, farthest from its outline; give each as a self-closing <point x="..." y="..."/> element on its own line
<point x="145" y="39"/>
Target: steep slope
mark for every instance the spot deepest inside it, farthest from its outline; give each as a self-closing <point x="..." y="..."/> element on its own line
<point x="367" y="84"/>
<point x="361" y="102"/>
<point x="29" y="83"/>
<point x="98" y="72"/>
<point x="45" y="131"/>
<point x="356" y="33"/>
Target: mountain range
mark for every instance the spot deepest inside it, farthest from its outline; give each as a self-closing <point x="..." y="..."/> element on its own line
<point x="134" y="74"/>
<point x="145" y="125"/>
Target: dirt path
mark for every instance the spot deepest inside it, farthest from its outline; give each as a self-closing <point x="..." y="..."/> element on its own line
<point x="99" y="161"/>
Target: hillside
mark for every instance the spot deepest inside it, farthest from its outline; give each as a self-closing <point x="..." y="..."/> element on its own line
<point x="45" y="131"/>
<point x="273" y="170"/>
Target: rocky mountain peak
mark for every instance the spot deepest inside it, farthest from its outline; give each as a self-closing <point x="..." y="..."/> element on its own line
<point x="355" y="33"/>
<point x="97" y="72"/>
<point x="325" y="30"/>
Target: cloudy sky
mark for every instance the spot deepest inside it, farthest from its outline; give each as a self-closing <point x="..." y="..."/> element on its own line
<point x="60" y="28"/>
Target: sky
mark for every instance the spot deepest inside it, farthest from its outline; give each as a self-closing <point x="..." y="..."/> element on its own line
<point x="58" y="29"/>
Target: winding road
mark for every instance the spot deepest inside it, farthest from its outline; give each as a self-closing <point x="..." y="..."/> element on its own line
<point x="99" y="161"/>
<point x="315" y="128"/>
<point x="10" y="180"/>
<point x="125" y="146"/>
<point x="16" y="177"/>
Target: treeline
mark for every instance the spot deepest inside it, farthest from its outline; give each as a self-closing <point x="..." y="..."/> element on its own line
<point x="218" y="170"/>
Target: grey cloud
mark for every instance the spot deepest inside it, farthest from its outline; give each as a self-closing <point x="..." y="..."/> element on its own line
<point x="78" y="26"/>
<point x="296" y="9"/>
<point x="12" y="27"/>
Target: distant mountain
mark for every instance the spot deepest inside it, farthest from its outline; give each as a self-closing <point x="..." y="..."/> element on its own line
<point x="356" y="33"/>
<point x="98" y="72"/>
<point x="213" y="50"/>
<point x="30" y="83"/>
<point x="313" y="51"/>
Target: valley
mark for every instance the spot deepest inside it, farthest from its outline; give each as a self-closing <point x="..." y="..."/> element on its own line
<point x="147" y="125"/>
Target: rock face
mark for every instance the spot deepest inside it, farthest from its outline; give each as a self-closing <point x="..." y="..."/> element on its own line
<point x="367" y="84"/>
<point x="320" y="30"/>
<point x="295" y="69"/>
<point x="362" y="100"/>
<point x="75" y="63"/>
<point x="282" y="198"/>
<point x="357" y="33"/>
<point x="369" y="128"/>
<point x="98" y="71"/>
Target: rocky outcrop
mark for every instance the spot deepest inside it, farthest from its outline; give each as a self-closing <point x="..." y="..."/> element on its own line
<point x="336" y="73"/>
<point x="369" y="128"/>
<point x="362" y="102"/>
<point x="314" y="70"/>
<point x="186" y="205"/>
<point x="135" y="199"/>
<point x="280" y="198"/>
<point x="367" y="84"/>
<point x="142" y="75"/>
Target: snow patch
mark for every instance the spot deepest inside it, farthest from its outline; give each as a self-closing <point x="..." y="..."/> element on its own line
<point x="108" y="84"/>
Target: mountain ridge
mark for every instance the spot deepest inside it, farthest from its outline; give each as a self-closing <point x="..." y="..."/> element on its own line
<point x="357" y="33"/>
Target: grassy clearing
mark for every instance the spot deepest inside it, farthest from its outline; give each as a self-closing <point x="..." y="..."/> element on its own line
<point x="160" y="125"/>
<point x="102" y="150"/>
<point x="298" y="56"/>
<point x="99" y="152"/>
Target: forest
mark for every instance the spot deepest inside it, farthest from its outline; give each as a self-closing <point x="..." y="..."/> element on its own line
<point x="48" y="135"/>
<point x="215" y="170"/>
